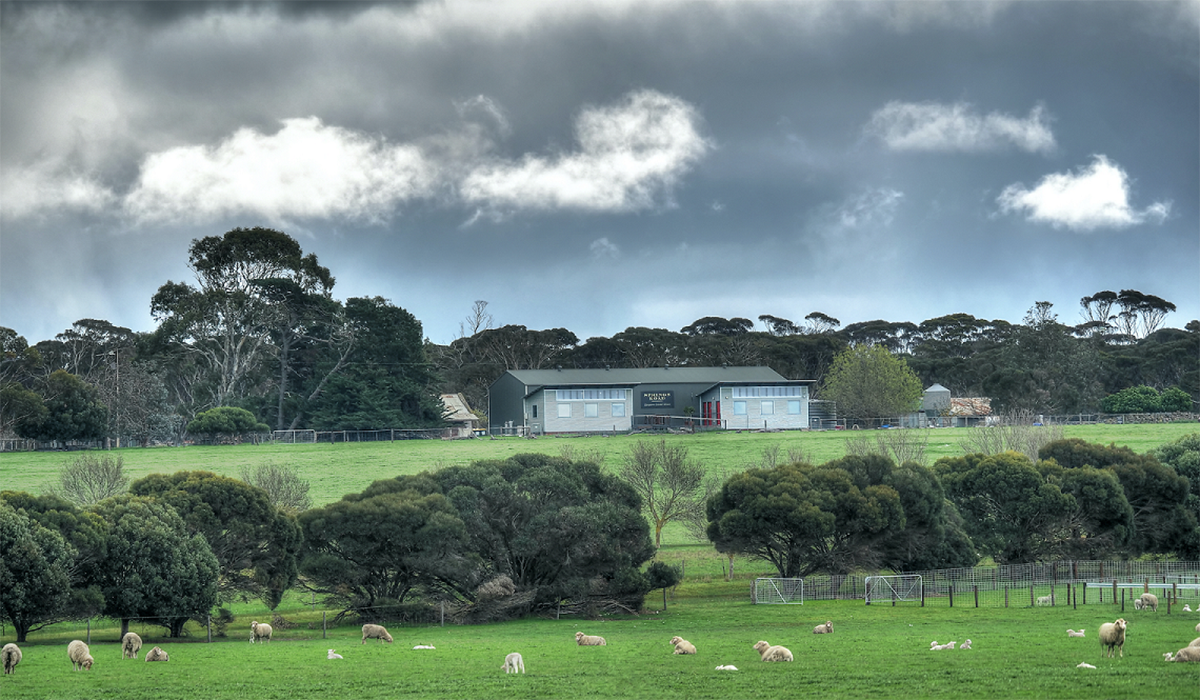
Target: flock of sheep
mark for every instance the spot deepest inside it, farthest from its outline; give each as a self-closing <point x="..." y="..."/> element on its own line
<point x="81" y="656"/>
<point x="1112" y="635"/>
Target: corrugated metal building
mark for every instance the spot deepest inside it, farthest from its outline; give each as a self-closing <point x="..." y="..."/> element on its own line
<point x="620" y="400"/>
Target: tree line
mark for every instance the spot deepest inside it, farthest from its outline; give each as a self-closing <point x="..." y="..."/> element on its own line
<point x="258" y="329"/>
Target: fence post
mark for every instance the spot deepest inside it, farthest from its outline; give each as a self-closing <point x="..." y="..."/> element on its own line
<point x="1074" y="597"/>
<point x="1115" y="594"/>
<point x="89" y="631"/>
<point x="976" y="587"/>
<point x="1085" y="593"/>
<point x="1031" y="601"/>
<point x="208" y="624"/>
<point x="922" y="592"/>
<point x="1122" y="600"/>
<point x="1006" y="596"/>
<point x="952" y="594"/>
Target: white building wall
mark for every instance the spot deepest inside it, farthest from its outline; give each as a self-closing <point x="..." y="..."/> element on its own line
<point x="756" y="419"/>
<point x="549" y="421"/>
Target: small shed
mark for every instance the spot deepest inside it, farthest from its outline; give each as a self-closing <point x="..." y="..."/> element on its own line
<point x="969" y="412"/>
<point x="462" y="422"/>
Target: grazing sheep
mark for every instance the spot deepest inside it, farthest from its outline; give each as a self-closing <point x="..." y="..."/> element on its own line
<point x="1073" y="633"/>
<point x="1149" y="600"/>
<point x="772" y="653"/>
<point x="1043" y="600"/>
<point x="376" y="632"/>
<point x="683" y="646"/>
<point x="11" y="656"/>
<point x="513" y="663"/>
<point x="1112" y="636"/>
<point x="587" y="640"/>
<point x="130" y="644"/>
<point x="333" y="655"/>
<point x="826" y="628"/>
<point x="1186" y="655"/>
<point x="1084" y="664"/>
<point x="730" y="667"/>
<point x="966" y="645"/>
<point x="157" y="654"/>
<point x="1138" y="603"/>
<point x="80" y="656"/>
<point x="260" y="631"/>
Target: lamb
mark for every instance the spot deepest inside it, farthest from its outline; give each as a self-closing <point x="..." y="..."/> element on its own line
<point x="81" y="657"/>
<point x="1149" y="600"/>
<point x="1186" y="655"/>
<point x="966" y="645"/>
<point x="587" y="640"/>
<point x="1187" y="608"/>
<point x="729" y="667"/>
<point x="260" y="631"/>
<point x="157" y="654"/>
<point x="1043" y="600"/>
<point x="333" y="655"/>
<point x="826" y="628"/>
<point x="772" y="653"/>
<point x="513" y="663"/>
<point x="1138" y="603"/>
<point x="939" y="647"/>
<point x="1073" y="633"/>
<point x="683" y="646"/>
<point x="375" y="632"/>
<point x="11" y="656"/>
<point x="424" y="646"/>
<point x="1084" y="664"/>
<point x="1112" y="636"/>
<point x="130" y="644"/>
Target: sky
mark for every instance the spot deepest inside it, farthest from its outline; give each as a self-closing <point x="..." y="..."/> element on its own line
<point x="602" y="165"/>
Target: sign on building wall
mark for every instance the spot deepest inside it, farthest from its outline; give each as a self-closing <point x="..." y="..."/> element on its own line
<point x="658" y="399"/>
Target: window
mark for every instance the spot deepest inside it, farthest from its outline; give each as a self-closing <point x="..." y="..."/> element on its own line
<point x="535" y="410"/>
<point x="564" y="410"/>
<point x="618" y="410"/>
<point x="767" y="408"/>
<point x="793" y="408"/>
<point x="754" y="392"/>
<point x="590" y="410"/>
<point x="739" y="408"/>
<point x="590" y="394"/>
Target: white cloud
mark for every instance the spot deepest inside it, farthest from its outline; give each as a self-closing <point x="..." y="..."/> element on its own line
<point x="631" y="155"/>
<point x="482" y="104"/>
<point x="604" y="249"/>
<point x="874" y="208"/>
<point x="29" y="192"/>
<point x="306" y="169"/>
<point x="927" y="126"/>
<point x="1095" y="197"/>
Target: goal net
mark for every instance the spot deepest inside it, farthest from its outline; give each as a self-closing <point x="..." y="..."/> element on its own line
<point x="900" y="588"/>
<point x="292" y="437"/>
<point x="779" y="590"/>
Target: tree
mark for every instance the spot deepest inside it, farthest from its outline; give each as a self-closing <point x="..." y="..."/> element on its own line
<point x="397" y="540"/>
<point x="256" y="545"/>
<point x="282" y="483"/>
<point x="20" y="409"/>
<point x="155" y="569"/>
<point x="1009" y="509"/>
<point x="715" y="325"/>
<point x="226" y="420"/>
<point x="73" y="411"/>
<point x="803" y="519"/>
<point x="33" y="573"/>
<point x="819" y="323"/>
<point x="662" y="575"/>
<point x="869" y="382"/>
<point x="1141" y="314"/>
<point x="778" y="326"/>
<point x="89" y="479"/>
<point x="1100" y="523"/>
<point x="669" y="484"/>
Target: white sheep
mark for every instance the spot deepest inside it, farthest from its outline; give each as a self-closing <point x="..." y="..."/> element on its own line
<point x="1186" y="655"/>
<point x="375" y="632"/>
<point x="772" y="653"/>
<point x="80" y="656"/>
<point x="587" y="640"/>
<point x="424" y="646"/>
<point x="1198" y="627"/>
<point x="1195" y="642"/>
<point x="130" y="644"/>
<point x="260" y="631"/>
<point x="1084" y="664"/>
<point x="1112" y="636"/>
<point x="1138" y="603"/>
<point x="11" y="656"/>
<point x="933" y="645"/>
<point x="826" y="628"/>
<point x="966" y="645"/>
<point x="1075" y="633"/>
<point x="333" y="655"/>
<point x="683" y="646"/>
<point x="1044" y="600"/>
<point x="1149" y="600"/>
<point x="729" y="667"/>
<point x="1187" y="608"/>
<point x="157" y="654"/>
<point x="513" y="663"/>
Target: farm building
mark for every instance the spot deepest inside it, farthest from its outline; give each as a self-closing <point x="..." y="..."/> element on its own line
<point x="940" y="409"/>
<point x="462" y="422"/>
<point x="541" y="401"/>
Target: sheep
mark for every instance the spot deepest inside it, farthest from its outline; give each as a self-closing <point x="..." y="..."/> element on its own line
<point x="375" y="632"/>
<point x="333" y="655"/>
<point x="1187" y="608"/>
<point x="1198" y="627"/>
<point x="1043" y="600"/>
<point x="1112" y="636"/>
<point x="1138" y="603"/>
<point x="1084" y="664"/>
<point x="729" y="667"/>
<point x="81" y="657"/>
<point x="966" y="645"/>
<point x="1073" y="633"/>
<point x="424" y="646"/>
<point x="157" y="654"/>
<point x="513" y="663"/>
<point x="826" y="628"/>
<point x="130" y="644"/>
<point x="1186" y="655"/>
<point x="683" y="646"/>
<point x="11" y="656"/>
<point x="1149" y="600"/>
<point x="772" y="653"/>
<point x="587" y="640"/>
<point x="260" y="631"/>
<point x="1195" y="642"/>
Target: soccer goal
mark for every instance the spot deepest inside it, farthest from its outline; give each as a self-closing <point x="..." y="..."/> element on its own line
<point x="899" y="589"/>
<point x="779" y="590"/>
<point x="294" y="437"/>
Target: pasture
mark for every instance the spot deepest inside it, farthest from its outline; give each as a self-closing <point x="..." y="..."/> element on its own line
<point x="875" y="651"/>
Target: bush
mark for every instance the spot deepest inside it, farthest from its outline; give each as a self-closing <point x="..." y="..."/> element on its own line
<point x="226" y="420"/>
<point x="90" y="479"/>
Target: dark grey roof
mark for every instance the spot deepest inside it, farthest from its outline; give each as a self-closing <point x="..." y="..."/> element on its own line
<point x="652" y="375"/>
